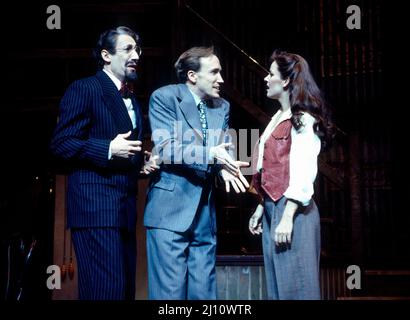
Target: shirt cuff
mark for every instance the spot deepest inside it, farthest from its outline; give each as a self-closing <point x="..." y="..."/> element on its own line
<point x="109" y="152"/>
<point x="211" y="154"/>
<point x="298" y="196"/>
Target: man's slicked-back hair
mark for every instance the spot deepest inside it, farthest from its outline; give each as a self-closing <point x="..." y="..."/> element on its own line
<point x="108" y="41"/>
<point x="189" y="60"/>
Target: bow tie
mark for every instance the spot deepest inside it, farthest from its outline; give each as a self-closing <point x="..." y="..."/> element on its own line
<point x="126" y="90"/>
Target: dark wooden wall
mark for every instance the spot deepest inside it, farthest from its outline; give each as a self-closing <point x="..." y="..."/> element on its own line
<point x="354" y="188"/>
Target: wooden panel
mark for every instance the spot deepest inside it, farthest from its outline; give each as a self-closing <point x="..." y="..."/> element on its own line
<point x="62" y="244"/>
<point x="240" y="283"/>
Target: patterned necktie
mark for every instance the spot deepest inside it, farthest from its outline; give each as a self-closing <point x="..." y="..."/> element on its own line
<point x="202" y="118"/>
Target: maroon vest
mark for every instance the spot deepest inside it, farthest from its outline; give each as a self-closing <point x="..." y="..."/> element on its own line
<point x="273" y="179"/>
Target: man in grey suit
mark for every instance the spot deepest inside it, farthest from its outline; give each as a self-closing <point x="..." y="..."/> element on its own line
<point x="189" y="123"/>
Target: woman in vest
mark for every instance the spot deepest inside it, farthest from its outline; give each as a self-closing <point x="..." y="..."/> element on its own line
<point x="285" y="161"/>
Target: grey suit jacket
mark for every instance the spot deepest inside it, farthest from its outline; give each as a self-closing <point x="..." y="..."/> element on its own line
<point x="175" y="191"/>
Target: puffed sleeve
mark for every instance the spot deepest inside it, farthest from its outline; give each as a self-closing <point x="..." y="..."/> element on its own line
<point x="304" y="150"/>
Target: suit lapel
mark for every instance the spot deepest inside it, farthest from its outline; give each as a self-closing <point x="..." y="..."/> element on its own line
<point x="114" y="103"/>
<point x="215" y="115"/>
<point x="188" y="108"/>
<point x="138" y="117"/>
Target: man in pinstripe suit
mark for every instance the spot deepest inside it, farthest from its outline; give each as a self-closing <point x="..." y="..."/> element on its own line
<point x="99" y="134"/>
<point x="189" y="124"/>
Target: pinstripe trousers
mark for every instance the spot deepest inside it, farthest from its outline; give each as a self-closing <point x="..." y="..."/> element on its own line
<point x="106" y="259"/>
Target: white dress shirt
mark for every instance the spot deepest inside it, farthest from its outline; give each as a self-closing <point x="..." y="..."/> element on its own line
<point x="305" y="148"/>
<point x="195" y="96"/>
<point x="127" y="102"/>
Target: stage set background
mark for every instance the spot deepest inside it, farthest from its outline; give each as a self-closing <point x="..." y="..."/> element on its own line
<point x="358" y="188"/>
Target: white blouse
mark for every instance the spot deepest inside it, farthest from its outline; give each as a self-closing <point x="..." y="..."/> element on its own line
<point x="305" y="148"/>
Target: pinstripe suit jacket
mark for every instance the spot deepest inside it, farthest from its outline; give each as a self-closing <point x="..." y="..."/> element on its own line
<point x="175" y="191"/>
<point x="101" y="192"/>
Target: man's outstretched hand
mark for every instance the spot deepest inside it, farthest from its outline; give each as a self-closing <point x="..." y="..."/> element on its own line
<point x="236" y="179"/>
<point x="222" y="157"/>
<point x="150" y="163"/>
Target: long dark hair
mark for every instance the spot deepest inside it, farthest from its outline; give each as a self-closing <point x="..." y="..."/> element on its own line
<point x="304" y="94"/>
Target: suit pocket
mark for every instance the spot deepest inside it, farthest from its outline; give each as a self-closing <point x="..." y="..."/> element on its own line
<point x="165" y="184"/>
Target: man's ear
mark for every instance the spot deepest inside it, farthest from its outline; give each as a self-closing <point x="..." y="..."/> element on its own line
<point x="105" y="55"/>
<point x="192" y="76"/>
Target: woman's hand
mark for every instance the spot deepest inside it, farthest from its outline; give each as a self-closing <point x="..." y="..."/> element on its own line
<point x="283" y="232"/>
<point x="255" y="223"/>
